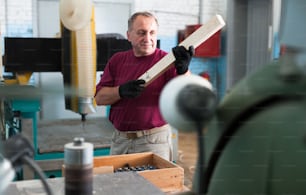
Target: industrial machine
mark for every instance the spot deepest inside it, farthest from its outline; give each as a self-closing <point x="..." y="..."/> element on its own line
<point x="78" y="53"/>
<point x="255" y="141"/>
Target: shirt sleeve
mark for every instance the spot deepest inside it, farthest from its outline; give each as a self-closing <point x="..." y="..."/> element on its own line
<point x="106" y="79"/>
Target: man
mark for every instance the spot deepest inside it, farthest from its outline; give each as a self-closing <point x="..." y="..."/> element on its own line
<point x="134" y="108"/>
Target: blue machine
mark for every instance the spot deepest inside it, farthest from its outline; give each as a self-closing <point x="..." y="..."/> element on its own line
<point x="22" y="117"/>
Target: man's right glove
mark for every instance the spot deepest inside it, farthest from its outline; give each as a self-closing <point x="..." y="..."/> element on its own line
<point x="132" y="88"/>
<point x="182" y="58"/>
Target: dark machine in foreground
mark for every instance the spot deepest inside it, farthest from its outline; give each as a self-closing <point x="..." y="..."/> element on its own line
<point x="255" y="142"/>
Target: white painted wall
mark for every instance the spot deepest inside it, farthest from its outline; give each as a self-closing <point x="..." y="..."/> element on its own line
<point x="107" y="21"/>
<point x="48" y="18"/>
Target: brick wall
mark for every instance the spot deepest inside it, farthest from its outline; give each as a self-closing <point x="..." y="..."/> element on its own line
<point x="175" y="14"/>
<point x="212" y="7"/>
<point x="2" y="16"/>
<point x="172" y="14"/>
<point x="16" y="16"/>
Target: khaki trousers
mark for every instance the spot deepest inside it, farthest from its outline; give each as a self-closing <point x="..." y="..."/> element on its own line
<point x="157" y="140"/>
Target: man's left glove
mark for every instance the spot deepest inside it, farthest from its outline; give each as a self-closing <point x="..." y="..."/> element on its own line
<point x="182" y="58"/>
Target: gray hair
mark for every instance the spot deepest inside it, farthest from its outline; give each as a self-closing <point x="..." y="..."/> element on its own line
<point x="135" y="15"/>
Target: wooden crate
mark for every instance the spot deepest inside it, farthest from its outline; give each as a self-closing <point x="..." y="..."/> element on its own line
<point x="168" y="176"/>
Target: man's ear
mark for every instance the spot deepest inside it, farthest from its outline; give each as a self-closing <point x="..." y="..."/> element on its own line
<point x="128" y="35"/>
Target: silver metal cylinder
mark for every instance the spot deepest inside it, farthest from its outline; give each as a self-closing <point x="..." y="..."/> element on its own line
<point x="78" y="160"/>
<point x="7" y="173"/>
<point x="86" y="105"/>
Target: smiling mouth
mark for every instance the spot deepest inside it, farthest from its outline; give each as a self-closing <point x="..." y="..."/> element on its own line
<point x="146" y="45"/>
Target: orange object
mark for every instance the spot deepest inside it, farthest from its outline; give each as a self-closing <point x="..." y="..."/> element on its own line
<point x="205" y="75"/>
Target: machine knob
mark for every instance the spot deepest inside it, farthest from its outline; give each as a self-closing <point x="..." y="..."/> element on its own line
<point x="188" y="101"/>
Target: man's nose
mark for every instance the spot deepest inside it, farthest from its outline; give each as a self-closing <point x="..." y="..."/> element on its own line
<point x="147" y="36"/>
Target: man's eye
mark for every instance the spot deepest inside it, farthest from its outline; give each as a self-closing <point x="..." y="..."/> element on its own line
<point x="141" y="33"/>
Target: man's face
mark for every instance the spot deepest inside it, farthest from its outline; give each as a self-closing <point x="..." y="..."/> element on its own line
<point x="143" y="36"/>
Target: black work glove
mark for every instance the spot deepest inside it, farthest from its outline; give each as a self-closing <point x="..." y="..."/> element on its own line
<point x="132" y="88"/>
<point x="182" y="58"/>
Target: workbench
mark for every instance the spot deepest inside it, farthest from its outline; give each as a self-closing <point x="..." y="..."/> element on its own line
<point x="53" y="135"/>
<point x="127" y="183"/>
<point x="50" y="137"/>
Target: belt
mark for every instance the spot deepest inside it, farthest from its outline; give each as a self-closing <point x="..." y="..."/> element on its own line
<point x="137" y="134"/>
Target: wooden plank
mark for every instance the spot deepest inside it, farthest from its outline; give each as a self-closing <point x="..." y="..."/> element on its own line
<point x="118" y="161"/>
<point x="160" y="162"/>
<point x="103" y="169"/>
<point x="167" y="180"/>
<point x="195" y="39"/>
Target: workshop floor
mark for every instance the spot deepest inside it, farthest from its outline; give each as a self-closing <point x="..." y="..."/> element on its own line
<point x="187" y="149"/>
